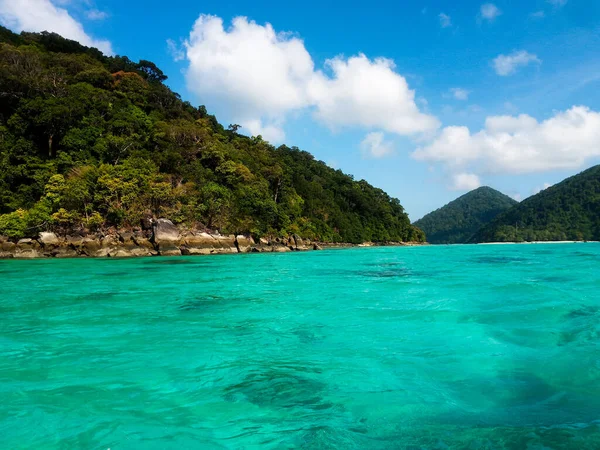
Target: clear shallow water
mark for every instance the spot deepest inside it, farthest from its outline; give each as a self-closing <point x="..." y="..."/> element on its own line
<point x="451" y="347"/>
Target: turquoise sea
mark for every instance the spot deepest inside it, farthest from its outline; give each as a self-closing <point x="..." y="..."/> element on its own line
<point x="442" y="347"/>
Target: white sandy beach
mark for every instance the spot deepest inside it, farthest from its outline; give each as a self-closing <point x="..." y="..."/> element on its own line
<point x="538" y="242"/>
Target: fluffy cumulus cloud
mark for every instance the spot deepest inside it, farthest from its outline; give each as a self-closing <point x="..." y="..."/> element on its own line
<point x="519" y="144"/>
<point x="374" y="145"/>
<point x="256" y="74"/>
<point x="445" y="20"/>
<point x="257" y="77"/>
<point x="272" y="131"/>
<point x="489" y="11"/>
<point x="465" y="182"/>
<point x="367" y="93"/>
<point x="505" y="65"/>
<point x="43" y="15"/>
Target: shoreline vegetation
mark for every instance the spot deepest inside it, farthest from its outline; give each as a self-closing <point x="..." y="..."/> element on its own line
<point x="162" y="238"/>
<point x="95" y="148"/>
<point x="568" y="211"/>
<point x="459" y="220"/>
<point x="90" y="143"/>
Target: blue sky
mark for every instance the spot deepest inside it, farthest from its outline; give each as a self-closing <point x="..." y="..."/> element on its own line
<point x="423" y="99"/>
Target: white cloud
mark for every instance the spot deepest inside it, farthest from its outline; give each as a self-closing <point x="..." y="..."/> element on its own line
<point x="42" y="15"/>
<point x="519" y="144"/>
<point x="176" y="52"/>
<point x="465" y="182"/>
<point x="95" y="14"/>
<point x="505" y="65"/>
<point x="255" y="74"/>
<point x="460" y="93"/>
<point x="489" y="11"/>
<point x="445" y="20"/>
<point x="374" y="145"/>
<point x="257" y="77"/>
<point x="517" y="197"/>
<point x="541" y="188"/>
<point x="367" y="93"/>
<point x="538" y="15"/>
<point x="272" y="132"/>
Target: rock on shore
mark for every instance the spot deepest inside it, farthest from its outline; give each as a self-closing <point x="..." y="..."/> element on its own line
<point x="158" y="238"/>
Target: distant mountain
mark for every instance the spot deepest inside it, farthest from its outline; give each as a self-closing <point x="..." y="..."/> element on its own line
<point x="460" y="219"/>
<point x="569" y="210"/>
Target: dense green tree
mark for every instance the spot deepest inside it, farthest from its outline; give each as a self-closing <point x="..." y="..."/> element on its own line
<point x="91" y="141"/>
<point x="569" y="210"/>
<point x="459" y="220"/>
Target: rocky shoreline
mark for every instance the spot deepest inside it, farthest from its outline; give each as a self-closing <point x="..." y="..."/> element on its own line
<point x="161" y="238"/>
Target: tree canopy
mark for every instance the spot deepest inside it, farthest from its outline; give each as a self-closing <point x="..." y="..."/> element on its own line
<point x="459" y="220"/>
<point x="91" y="141"/>
<point x="569" y="210"/>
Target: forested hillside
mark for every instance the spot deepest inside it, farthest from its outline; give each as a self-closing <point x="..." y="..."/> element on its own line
<point x="460" y="219"/>
<point x="569" y="210"/>
<point x="89" y="141"/>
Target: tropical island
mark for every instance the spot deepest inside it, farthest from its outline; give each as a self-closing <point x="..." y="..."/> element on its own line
<point x="459" y="220"/>
<point x="566" y="212"/>
<point x="98" y="157"/>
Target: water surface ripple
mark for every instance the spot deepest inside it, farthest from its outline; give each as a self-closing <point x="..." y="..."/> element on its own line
<point x="449" y="347"/>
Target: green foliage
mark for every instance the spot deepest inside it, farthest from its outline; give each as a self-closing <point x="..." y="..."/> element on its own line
<point x="65" y="219"/>
<point x="460" y="219"/>
<point x="55" y="189"/>
<point x="14" y="225"/>
<point x="90" y="141"/>
<point x="39" y="217"/>
<point x="94" y="221"/>
<point x="569" y="210"/>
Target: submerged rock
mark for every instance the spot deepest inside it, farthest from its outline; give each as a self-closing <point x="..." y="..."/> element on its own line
<point x="280" y="388"/>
